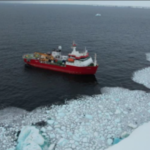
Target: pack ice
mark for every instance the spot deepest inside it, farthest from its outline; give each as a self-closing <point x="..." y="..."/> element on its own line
<point x="87" y="123"/>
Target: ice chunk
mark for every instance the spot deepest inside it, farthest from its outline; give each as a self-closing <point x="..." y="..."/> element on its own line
<point x="30" y="146"/>
<point x="96" y="134"/>
<point x="47" y="111"/>
<point x="117" y="120"/>
<point x="148" y="56"/>
<point x="142" y="77"/>
<point x="124" y="135"/>
<point x="117" y="100"/>
<point x="2" y="132"/>
<point x="11" y="149"/>
<point x="52" y="135"/>
<point x="50" y="121"/>
<point x="43" y="129"/>
<point x="28" y="133"/>
<point x="62" y="142"/>
<point x="30" y="138"/>
<point x="52" y="146"/>
<point x="50" y="128"/>
<point x="89" y="116"/>
<point x="85" y="140"/>
<point x="109" y="141"/>
<point x="61" y="114"/>
<point x="117" y="111"/>
<point x="132" y="125"/>
<point x="116" y="140"/>
<point x="68" y="149"/>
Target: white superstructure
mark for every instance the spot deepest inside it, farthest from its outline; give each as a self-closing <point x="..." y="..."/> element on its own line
<point x="75" y="58"/>
<point x="77" y="53"/>
<point x="80" y="63"/>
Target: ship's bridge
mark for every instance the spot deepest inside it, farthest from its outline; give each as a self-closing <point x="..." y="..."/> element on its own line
<point x="78" y="55"/>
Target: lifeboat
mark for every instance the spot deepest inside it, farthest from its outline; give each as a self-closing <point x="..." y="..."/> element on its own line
<point x="70" y="60"/>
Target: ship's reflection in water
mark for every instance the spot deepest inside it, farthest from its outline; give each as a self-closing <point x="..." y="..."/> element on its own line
<point x="50" y="87"/>
<point x="81" y="78"/>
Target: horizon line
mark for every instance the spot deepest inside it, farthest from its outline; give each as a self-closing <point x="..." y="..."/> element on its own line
<point x="62" y="3"/>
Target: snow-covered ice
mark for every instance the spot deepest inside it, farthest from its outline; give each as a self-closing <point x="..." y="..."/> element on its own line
<point x="143" y="76"/>
<point x="138" y="140"/>
<point x="148" y="56"/>
<point x="31" y="138"/>
<point x="144" y="73"/>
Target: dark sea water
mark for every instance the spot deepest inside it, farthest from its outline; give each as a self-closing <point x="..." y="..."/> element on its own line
<point x="120" y="37"/>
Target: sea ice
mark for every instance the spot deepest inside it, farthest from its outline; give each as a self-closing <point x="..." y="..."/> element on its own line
<point x="143" y="76"/>
<point x="89" y="116"/>
<point x="117" y="111"/>
<point x="116" y="140"/>
<point x="117" y="120"/>
<point x="109" y="141"/>
<point x="50" y="121"/>
<point x="148" y="56"/>
<point x="31" y="139"/>
<point x="138" y="140"/>
<point x="132" y="125"/>
<point x="52" y="146"/>
<point x="124" y="135"/>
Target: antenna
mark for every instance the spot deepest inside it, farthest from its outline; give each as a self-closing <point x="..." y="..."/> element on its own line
<point x="73" y="45"/>
<point x="95" y="61"/>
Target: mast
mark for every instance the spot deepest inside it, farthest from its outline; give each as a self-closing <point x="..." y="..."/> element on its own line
<point x="74" y="47"/>
<point x="95" y="60"/>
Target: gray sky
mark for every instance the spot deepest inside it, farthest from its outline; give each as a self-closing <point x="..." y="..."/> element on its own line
<point x="112" y="3"/>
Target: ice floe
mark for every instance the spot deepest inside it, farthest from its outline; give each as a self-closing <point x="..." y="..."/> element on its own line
<point x="31" y="138"/>
<point x="148" y="56"/>
<point x="143" y="76"/>
<point x="138" y="140"/>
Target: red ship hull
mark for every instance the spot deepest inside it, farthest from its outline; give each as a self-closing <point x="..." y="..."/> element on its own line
<point x="66" y="69"/>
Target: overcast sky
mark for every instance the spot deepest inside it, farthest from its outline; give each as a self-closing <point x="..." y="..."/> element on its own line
<point x="113" y="3"/>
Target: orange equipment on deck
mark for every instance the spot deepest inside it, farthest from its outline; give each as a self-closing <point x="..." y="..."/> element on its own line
<point x="44" y="56"/>
<point x="70" y="60"/>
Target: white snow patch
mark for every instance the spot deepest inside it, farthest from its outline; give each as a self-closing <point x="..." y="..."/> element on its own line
<point x="138" y="140"/>
<point x="132" y="125"/>
<point x="148" y="56"/>
<point x="143" y="76"/>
